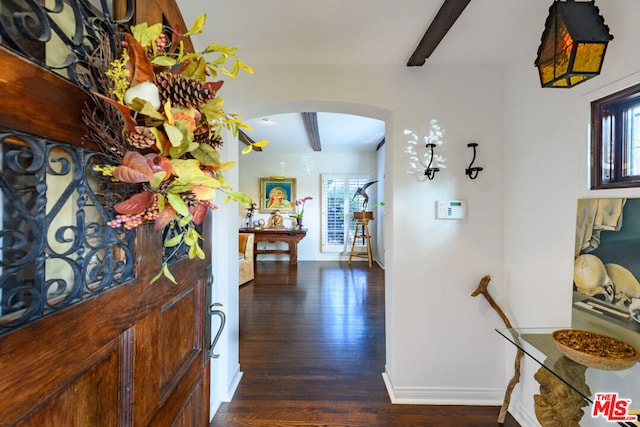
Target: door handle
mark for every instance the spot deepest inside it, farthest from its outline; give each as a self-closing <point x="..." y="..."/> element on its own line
<point x="214" y="311"/>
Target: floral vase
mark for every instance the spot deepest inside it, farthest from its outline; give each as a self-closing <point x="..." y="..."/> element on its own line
<point x="299" y="221"/>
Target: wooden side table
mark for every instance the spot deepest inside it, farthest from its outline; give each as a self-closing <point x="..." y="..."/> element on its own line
<point x="289" y="236"/>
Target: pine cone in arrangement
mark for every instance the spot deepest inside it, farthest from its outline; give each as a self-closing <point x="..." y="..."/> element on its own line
<point x="190" y="198"/>
<point x="204" y="135"/>
<point x="183" y="91"/>
<point x="141" y="138"/>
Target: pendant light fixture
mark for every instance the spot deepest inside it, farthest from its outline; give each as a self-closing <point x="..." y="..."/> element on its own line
<point x="573" y="44"/>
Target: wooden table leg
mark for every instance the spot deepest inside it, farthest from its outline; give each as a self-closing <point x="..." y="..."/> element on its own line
<point x="293" y="252"/>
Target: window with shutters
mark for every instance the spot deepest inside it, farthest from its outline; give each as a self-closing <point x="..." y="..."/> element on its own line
<point x="338" y="205"/>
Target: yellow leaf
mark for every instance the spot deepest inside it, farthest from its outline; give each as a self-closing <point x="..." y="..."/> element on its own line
<point x="199" y="252"/>
<point x="196" y="69"/>
<point x="167" y="273"/>
<point x="163" y="61"/>
<point x="178" y="204"/>
<point x="235" y="69"/>
<point x="204" y="192"/>
<point x="157" y="179"/>
<point x="197" y="26"/>
<point x="174" y="134"/>
<point x="247" y="149"/>
<point x="192" y="252"/>
<point x="226" y="166"/>
<point x="262" y="143"/>
<point x="168" y="112"/>
<point x="185" y="220"/>
<point x="164" y="271"/>
<point x="186" y="168"/>
<point x="245" y="67"/>
<point x="207" y="155"/>
<point x="174" y="241"/>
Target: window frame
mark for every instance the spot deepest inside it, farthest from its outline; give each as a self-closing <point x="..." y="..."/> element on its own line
<point x="348" y="221"/>
<point x="612" y="106"/>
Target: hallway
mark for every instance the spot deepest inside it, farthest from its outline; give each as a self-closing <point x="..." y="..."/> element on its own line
<point x="312" y="350"/>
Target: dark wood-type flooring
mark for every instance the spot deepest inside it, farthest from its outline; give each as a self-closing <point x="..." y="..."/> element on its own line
<point x="312" y="349"/>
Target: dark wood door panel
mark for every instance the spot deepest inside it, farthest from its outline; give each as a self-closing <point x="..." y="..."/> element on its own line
<point x="41" y="360"/>
<point x="180" y="332"/>
<point x="177" y="408"/>
<point x="37" y="101"/>
<point x="44" y="358"/>
<point x="91" y="400"/>
<point x="132" y="356"/>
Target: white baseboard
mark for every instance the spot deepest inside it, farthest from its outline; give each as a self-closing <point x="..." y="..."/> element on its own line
<point x="233" y="386"/>
<point x="456" y="396"/>
<point x="442" y="395"/>
<point x="523" y="418"/>
<point x="231" y="390"/>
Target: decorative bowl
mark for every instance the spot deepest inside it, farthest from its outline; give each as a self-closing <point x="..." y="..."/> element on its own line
<point x="595" y="350"/>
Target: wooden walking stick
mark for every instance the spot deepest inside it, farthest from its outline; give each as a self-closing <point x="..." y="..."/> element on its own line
<point x="482" y="289"/>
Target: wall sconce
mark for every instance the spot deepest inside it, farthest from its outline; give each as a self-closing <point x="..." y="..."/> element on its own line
<point x="573" y="44"/>
<point x="473" y="171"/>
<point x="430" y="172"/>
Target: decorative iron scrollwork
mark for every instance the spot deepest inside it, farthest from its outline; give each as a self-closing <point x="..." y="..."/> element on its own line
<point x="56" y="248"/>
<point x="61" y="36"/>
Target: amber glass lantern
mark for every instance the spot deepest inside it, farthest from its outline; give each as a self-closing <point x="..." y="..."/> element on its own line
<point x="573" y="44"/>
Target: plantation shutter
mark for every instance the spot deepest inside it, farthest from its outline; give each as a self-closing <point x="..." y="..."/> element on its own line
<point x="338" y="205"/>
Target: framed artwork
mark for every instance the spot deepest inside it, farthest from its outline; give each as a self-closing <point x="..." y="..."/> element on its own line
<point x="606" y="275"/>
<point x="277" y="194"/>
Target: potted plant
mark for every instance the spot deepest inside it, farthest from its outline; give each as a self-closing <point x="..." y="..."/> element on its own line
<point x="300" y="204"/>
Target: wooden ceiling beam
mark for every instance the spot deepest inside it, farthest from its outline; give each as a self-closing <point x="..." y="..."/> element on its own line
<point x="311" y="125"/>
<point x="441" y="24"/>
<point x="246" y="140"/>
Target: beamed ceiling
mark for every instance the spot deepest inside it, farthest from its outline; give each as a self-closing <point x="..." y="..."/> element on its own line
<point x="407" y="33"/>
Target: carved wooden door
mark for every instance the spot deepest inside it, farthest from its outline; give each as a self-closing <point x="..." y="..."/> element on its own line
<point x="74" y="351"/>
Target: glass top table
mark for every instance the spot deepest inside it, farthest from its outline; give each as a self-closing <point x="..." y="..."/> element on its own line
<point x="538" y="344"/>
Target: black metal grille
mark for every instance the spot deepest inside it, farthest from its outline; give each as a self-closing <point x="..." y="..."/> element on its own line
<point x="60" y="37"/>
<point x="55" y="249"/>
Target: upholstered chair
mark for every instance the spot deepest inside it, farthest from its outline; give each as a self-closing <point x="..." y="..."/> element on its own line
<point x="245" y="257"/>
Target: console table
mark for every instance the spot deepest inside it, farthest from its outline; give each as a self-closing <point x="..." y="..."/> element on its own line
<point x="558" y="371"/>
<point x="271" y="235"/>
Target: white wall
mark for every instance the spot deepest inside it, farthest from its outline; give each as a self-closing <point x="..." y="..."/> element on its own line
<point x="225" y="370"/>
<point x="546" y="153"/>
<point x="441" y="347"/>
<point x="307" y="169"/>
<point x="431" y="266"/>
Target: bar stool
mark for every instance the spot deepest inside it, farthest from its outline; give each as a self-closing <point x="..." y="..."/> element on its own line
<point x="363" y="226"/>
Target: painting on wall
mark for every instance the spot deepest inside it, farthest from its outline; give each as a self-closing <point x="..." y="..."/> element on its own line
<point x="606" y="274"/>
<point x="277" y="194"/>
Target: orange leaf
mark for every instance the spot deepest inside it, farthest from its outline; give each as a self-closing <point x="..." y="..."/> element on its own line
<point x="129" y="122"/>
<point x="190" y="118"/>
<point x="165" y="144"/>
<point x="135" y="204"/>
<point x="141" y="68"/>
<point x="134" y="169"/>
<point x="158" y="164"/>
<point x="214" y="86"/>
<point x="165" y="216"/>
<point x="199" y="212"/>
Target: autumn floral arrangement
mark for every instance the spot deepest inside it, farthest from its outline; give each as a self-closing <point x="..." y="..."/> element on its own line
<point x="159" y="123"/>
<point x="299" y="207"/>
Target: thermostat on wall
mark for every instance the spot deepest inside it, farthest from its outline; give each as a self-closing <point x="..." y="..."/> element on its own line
<point x="451" y="209"/>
